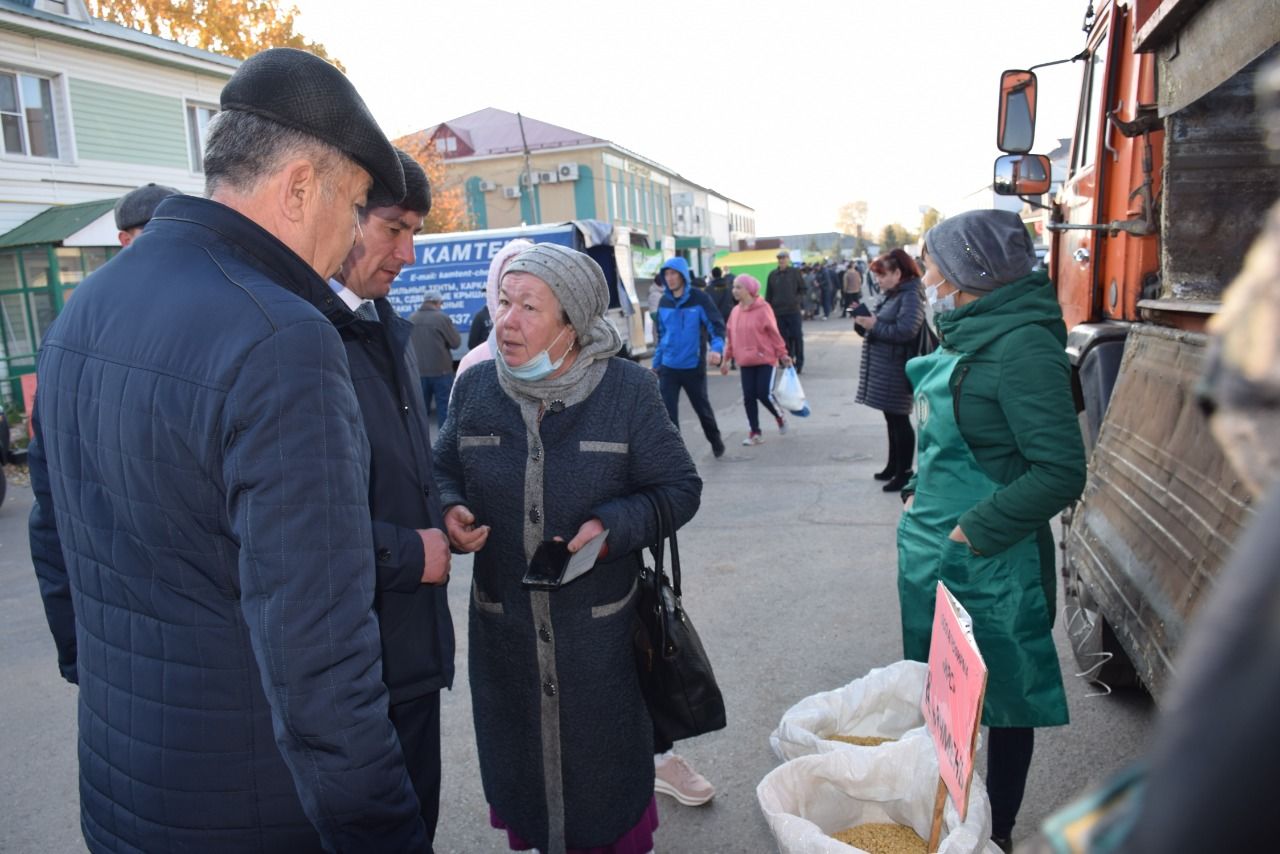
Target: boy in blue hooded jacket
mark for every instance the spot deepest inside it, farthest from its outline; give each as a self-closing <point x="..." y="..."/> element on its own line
<point x="680" y="358"/>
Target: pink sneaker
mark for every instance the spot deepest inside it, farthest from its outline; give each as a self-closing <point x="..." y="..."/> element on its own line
<point x="675" y="777"/>
<point x="753" y="439"/>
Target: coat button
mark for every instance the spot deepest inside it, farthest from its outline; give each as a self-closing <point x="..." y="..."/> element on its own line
<point x="557" y="406"/>
<point x="537" y="453"/>
<point x="384" y="555"/>
<point x="545" y="634"/>
<point x="534" y="516"/>
<point x="549" y="688"/>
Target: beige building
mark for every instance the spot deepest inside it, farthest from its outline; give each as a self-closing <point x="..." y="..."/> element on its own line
<point x="565" y="175"/>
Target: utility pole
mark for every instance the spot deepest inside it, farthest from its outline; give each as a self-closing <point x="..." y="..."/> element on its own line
<point x="528" y="172"/>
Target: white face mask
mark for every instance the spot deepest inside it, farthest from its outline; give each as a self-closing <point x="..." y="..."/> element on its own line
<point x="540" y="366"/>
<point x="940" y="304"/>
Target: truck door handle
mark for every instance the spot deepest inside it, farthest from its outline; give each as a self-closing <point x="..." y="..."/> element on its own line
<point x="1081" y="255"/>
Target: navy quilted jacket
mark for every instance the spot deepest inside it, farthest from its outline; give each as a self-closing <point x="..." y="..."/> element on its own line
<point x="202" y="538"/>
<point x="417" y="631"/>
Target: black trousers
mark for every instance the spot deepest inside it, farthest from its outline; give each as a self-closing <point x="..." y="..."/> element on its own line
<point x="791" y="327"/>
<point x="902" y="443"/>
<point x="1008" y="760"/>
<point x="694" y="383"/>
<point x="417" y="723"/>
<point x="756" y="385"/>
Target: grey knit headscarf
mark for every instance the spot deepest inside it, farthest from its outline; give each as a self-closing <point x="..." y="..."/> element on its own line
<point x="978" y="251"/>
<point x="579" y="285"/>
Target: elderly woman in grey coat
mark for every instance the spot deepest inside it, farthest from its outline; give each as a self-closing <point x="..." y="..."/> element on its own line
<point x="555" y="439"/>
<point x="891" y="336"/>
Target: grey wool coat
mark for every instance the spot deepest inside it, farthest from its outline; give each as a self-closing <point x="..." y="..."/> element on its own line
<point x="564" y="738"/>
<point x="882" y="376"/>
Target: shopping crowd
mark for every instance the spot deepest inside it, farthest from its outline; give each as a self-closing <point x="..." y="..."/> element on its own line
<point x="243" y="534"/>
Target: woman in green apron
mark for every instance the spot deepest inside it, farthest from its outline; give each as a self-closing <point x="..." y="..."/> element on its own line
<point x="999" y="455"/>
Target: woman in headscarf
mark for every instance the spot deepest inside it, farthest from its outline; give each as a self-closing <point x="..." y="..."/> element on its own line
<point x="1000" y="455"/>
<point x="753" y="341"/>
<point x="554" y="438"/>
<point x="891" y="336"/>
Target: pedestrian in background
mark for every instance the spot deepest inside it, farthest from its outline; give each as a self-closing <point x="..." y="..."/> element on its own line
<point x="135" y="208"/>
<point x="827" y="282"/>
<point x="555" y="438"/>
<point x="892" y="333"/>
<point x="1000" y="456"/>
<point x="434" y="340"/>
<point x="720" y="289"/>
<point x="752" y="339"/>
<point x="784" y="293"/>
<point x="201" y="528"/>
<point x="484" y="349"/>
<point x="410" y="549"/>
<point x="688" y="324"/>
<point x="852" y="286"/>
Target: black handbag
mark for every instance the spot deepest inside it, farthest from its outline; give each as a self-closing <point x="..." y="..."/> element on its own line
<point x="926" y="341"/>
<point x="675" y="674"/>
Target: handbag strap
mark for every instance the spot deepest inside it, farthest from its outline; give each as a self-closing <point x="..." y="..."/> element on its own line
<point x="666" y="531"/>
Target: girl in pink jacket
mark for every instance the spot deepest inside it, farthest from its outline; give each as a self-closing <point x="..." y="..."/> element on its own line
<point x="753" y="341"/>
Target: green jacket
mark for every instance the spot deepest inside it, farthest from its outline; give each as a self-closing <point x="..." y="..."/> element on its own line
<point x="1014" y="406"/>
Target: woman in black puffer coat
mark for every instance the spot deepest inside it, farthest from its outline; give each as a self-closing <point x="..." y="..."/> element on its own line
<point x="892" y="333"/>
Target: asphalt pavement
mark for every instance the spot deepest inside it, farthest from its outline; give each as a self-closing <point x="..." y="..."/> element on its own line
<point x="789" y="574"/>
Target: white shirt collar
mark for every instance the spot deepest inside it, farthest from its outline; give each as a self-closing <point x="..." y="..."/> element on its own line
<point x="347" y="295"/>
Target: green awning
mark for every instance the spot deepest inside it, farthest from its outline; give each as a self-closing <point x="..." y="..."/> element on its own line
<point x="56" y="224"/>
<point x="694" y="243"/>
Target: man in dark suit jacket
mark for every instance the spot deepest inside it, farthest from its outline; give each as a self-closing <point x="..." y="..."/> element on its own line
<point x="411" y="551"/>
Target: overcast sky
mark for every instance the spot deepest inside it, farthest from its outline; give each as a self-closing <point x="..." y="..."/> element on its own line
<point x="793" y="108"/>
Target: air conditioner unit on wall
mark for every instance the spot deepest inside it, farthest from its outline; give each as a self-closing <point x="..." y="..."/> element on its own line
<point x="547" y="177"/>
<point x="528" y="179"/>
<point x="568" y="171"/>
<point x="511" y="192"/>
<point x="487" y="186"/>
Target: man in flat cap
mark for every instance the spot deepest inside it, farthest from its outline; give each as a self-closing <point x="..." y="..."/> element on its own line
<point x="784" y="293"/>
<point x="202" y="531"/>
<point x="135" y="208"/>
<point x="434" y="340"/>
<point x="410" y="549"/>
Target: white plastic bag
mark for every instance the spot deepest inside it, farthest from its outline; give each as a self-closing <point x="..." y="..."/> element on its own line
<point x="788" y="393"/>
<point x="809" y="798"/>
<point x="884" y="703"/>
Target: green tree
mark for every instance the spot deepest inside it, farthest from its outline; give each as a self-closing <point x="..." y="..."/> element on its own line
<point x="889" y="238"/>
<point x="234" y="28"/>
<point x="932" y="216"/>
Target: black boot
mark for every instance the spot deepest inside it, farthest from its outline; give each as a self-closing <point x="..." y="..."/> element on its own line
<point x="885" y="473"/>
<point x="899" y="480"/>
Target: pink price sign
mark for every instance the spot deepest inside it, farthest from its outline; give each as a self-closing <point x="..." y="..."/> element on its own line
<point x="953" y="693"/>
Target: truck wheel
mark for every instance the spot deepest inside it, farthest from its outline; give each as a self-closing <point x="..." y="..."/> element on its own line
<point x="1098" y="653"/>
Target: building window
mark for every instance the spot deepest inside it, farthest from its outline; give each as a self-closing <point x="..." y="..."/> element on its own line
<point x="198" y="116"/>
<point x="446" y="144"/>
<point x="26" y="115"/>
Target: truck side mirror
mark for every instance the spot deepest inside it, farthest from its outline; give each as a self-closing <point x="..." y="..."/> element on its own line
<point x="1022" y="175"/>
<point x="1017" y="128"/>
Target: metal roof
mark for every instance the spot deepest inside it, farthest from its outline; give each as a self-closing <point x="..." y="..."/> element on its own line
<point x="493" y="131"/>
<point x="94" y="26"/>
<point x="55" y="224"/>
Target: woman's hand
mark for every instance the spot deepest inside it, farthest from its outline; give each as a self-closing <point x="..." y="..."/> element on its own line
<point x="911" y="499"/>
<point x="867" y="322"/>
<point x="590" y="529"/>
<point x="786" y="361"/>
<point x="957" y="535"/>
<point x="464" y="535"/>
<point x="724" y="367"/>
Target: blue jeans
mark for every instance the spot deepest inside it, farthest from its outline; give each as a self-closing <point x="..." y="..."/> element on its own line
<point x="438" y="388"/>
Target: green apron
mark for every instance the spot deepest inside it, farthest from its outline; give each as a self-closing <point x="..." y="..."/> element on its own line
<point x="1003" y="593"/>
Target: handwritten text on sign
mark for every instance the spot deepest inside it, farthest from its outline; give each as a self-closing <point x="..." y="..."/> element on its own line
<point x="953" y="692"/>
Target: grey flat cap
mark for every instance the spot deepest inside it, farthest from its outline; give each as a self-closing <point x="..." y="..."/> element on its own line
<point x="136" y="207"/>
<point x="433" y="296"/>
<point x="301" y="91"/>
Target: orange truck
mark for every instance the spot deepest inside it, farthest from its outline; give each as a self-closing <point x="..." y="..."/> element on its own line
<point x="1167" y="184"/>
